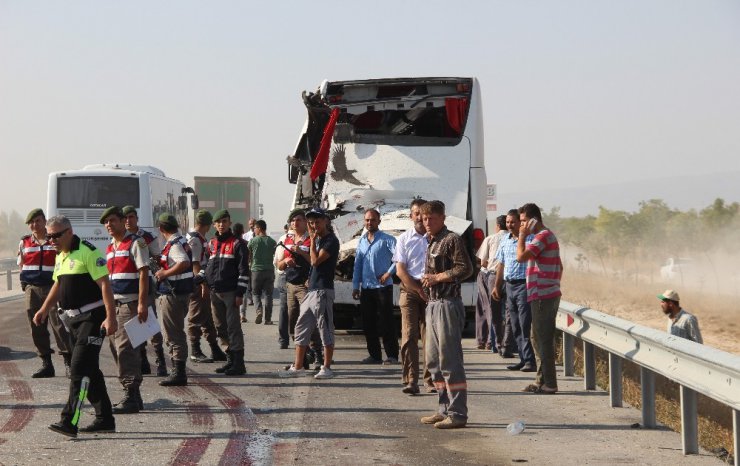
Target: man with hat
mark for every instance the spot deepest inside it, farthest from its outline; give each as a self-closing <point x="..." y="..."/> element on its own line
<point x="132" y="225"/>
<point x="127" y="258"/>
<point x="680" y="322"/>
<point x="200" y="318"/>
<point x="316" y="309"/>
<point x="174" y="285"/>
<point x="83" y="291"/>
<point x="227" y="274"/>
<point x="36" y="257"/>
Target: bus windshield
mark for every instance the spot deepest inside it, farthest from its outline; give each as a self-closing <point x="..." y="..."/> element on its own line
<point x="97" y="191"/>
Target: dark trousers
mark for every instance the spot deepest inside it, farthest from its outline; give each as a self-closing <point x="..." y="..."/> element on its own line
<point x="86" y="341"/>
<point x="376" y="306"/>
<point x="484" y="327"/>
<point x="35" y="297"/>
<point x="521" y="319"/>
<point x="283" y="320"/>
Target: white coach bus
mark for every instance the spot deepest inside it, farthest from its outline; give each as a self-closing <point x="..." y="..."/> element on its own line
<point x="83" y="195"/>
<point x="393" y="140"/>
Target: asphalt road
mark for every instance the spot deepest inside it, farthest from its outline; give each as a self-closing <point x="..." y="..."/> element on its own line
<point x="360" y="417"/>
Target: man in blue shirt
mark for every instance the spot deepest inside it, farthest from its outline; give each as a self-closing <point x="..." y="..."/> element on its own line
<point x="373" y="286"/>
<point x="514" y="274"/>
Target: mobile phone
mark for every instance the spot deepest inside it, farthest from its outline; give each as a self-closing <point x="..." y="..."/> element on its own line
<point x="531" y="223"/>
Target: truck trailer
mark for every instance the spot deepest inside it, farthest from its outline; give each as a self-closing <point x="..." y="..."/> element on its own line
<point x="240" y="195"/>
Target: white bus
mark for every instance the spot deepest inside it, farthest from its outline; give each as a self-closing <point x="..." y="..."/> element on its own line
<point x="393" y="140"/>
<point x="83" y="195"/>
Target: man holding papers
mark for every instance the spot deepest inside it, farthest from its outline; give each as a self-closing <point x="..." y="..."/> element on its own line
<point x="128" y="266"/>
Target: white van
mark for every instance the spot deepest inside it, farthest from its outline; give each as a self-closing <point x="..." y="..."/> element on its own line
<point x="83" y="195"/>
<point x="394" y="140"/>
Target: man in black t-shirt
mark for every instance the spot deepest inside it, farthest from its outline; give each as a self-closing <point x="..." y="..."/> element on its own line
<point x="317" y="307"/>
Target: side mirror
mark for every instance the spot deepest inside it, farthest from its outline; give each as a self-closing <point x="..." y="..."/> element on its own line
<point x="182" y="203"/>
<point x="194" y="202"/>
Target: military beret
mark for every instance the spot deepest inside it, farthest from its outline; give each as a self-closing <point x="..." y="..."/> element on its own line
<point x="168" y="220"/>
<point x="129" y="209"/>
<point x="112" y="210"/>
<point x="221" y="214"/>
<point x="203" y="217"/>
<point x="296" y="212"/>
<point x="33" y="214"/>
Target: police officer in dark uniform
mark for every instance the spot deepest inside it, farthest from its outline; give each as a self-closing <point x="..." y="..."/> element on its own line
<point x="87" y="308"/>
<point x="36" y="257"/>
<point x="132" y="225"/>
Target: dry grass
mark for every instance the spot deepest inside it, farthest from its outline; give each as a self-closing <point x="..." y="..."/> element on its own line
<point x="718" y="319"/>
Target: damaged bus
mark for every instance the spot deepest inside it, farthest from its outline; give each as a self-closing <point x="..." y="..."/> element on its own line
<point x="380" y="143"/>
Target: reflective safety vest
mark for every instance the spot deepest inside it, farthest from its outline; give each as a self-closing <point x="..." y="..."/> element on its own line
<point x="124" y="276"/>
<point x="182" y="283"/>
<point x="38" y="262"/>
<point x="203" y="259"/>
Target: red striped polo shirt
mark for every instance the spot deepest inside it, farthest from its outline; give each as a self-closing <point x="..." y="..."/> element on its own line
<point x="545" y="269"/>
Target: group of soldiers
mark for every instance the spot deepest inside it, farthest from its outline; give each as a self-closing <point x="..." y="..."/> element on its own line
<point x="87" y="294"/>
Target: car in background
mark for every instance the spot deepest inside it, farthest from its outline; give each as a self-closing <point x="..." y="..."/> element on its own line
<point x="676" y="268"/>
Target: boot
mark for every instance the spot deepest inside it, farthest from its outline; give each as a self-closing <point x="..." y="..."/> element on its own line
<point x="146" y="369"/>
<point x="67" y="364"/>
<point x="196" y="355"/>
<point x="161" y="362"/>
<point x="46" y="370"/>
<point x="139" y="400"/>
<point x="129" y="404"/>
<point x="177" y="377"/>
<point x="229" y="363"/>
<point x="237" y="364"/>
<point x="216" y="353"/>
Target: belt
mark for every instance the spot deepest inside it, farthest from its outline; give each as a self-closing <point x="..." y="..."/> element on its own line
<point x="83" y="309"/>
<point x="517" y="281"/>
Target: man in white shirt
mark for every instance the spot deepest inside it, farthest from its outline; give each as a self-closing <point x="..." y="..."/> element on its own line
<point x="410" y="259"/>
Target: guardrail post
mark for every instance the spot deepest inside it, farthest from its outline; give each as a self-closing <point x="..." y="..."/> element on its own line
<point x="736" y="431"/>
<point x="689" y="421"/>
<point x="568" y="365"/>
<point x="615" y="380"/>
<point x="647" y="380"/>
<point x="9" y="277"/>
<point x="589" y="366"/>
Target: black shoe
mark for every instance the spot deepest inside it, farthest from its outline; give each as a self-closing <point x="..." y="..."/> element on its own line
<point x="515" y="367"/>
<point x="64" y="428"/>
<point x="178" y="377"/>
<point x="529" y="368"/>
<point x="46" y="370"/>
<point x="411" y="389"/>
<point x="146" y="368"/>
<point x="100" y="426"/>
<point x="506" y="354"/>
<point x="227" y="366"/>
<point x="283" y="346"/>
<point x="129" y="404"/>
<point x="196" y="355"/>
<point x="217" y="353"/>
<point x="237" y="364"/>
<point x="371" y="360"/>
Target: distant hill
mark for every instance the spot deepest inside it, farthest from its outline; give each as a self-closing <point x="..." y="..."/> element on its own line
<point x="679" y="192"/>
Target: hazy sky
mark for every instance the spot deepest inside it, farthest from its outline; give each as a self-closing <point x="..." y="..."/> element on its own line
<point x="574" y="92"/>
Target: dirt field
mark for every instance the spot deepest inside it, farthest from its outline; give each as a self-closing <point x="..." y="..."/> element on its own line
<point x="719" y="316"/>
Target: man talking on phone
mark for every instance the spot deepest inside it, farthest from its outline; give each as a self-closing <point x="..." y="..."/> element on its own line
<point x="544" y="270"/>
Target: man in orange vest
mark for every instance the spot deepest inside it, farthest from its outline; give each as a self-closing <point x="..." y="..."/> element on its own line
<point x="36" y="257"/>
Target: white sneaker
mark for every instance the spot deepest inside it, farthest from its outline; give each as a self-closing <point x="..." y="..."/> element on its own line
<point x="324" y="373"/>
<point x="291" y="372"/>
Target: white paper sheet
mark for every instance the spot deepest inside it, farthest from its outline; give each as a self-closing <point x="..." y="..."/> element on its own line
<point x="139" y="332"/>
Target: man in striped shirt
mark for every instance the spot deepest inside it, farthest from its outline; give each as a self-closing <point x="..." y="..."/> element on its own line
<point x="544" y="270"/>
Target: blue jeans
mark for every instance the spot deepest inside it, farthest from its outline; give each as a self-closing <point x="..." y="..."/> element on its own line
<point x="521" y="319"/>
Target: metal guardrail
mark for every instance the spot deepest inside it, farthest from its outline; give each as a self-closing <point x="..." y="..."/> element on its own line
<point x="696" y="368"/>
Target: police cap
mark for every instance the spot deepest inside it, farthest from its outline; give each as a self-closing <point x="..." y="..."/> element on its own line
<point x="33" y="214"/>
<point x="203" y="217"/>
<point x="221" y="214"/>
<point x="316" y="212"/>
<point x="168" y="220"/>
<point x="112" y="210"/>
